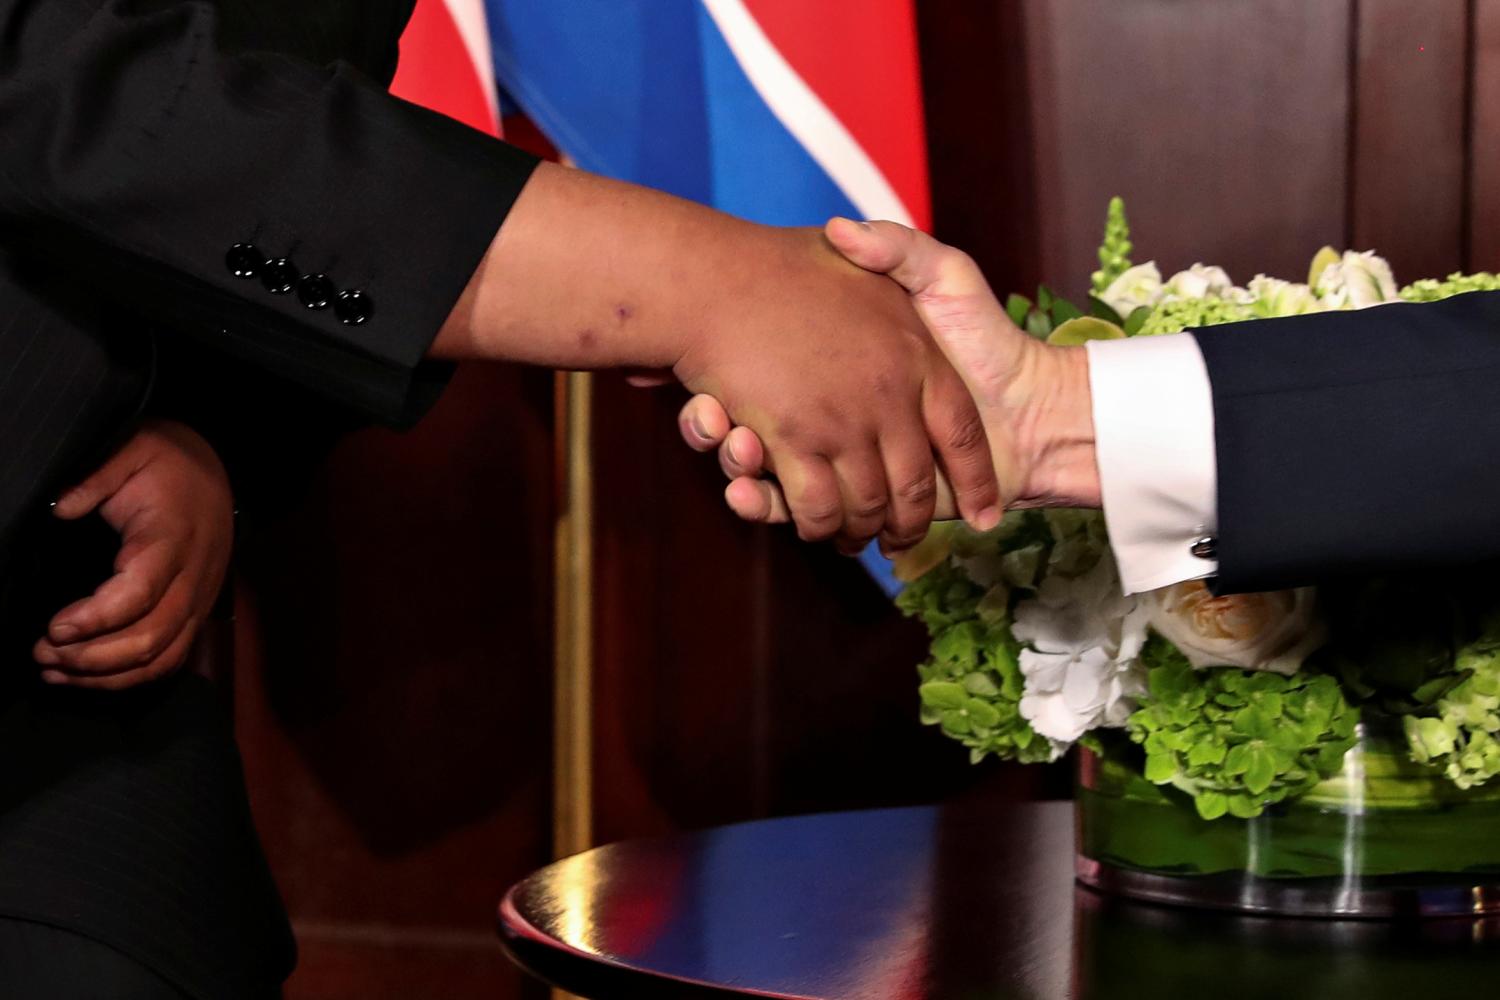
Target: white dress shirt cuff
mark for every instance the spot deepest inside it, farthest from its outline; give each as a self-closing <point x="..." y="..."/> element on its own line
<point x="1154" y="436"/>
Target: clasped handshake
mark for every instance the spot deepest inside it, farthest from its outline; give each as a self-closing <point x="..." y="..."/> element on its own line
<point x="974" y="418"/>
<point x="860" y="382"/>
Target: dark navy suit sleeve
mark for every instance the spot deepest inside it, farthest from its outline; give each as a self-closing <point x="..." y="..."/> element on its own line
<point x="1356" y="442"/>
<point x="138" y="151"/>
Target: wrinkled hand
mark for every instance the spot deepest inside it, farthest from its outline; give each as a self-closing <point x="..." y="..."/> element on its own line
<point x="167" y="495"/>
<point x="833" y="370"/>
<point x="1033" y="399"/>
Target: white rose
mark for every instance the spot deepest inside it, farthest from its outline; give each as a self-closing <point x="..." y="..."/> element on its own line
<point x="1357" y="281"/>
<point x="1274" y="297"/>
<point x="1139" y="286"/>
<point x="1199" y="282"/>
<point x="1273" y="631"/>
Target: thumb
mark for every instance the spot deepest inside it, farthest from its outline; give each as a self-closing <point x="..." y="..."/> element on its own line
<point x="104" y="483"/>
<point x="949" y="292"/>
<point x="914" y="260"/>
<point x="882" y="247"/>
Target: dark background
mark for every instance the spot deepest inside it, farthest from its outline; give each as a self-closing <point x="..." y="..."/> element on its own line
<point x="395" y="648"/>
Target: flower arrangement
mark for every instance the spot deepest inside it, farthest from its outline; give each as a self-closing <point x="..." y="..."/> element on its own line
<point x="1238" y="702"/>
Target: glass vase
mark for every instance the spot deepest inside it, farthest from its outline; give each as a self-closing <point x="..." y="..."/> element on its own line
<point x="1385" y="837"/>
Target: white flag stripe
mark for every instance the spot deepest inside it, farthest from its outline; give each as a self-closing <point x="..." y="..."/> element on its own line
<point x="473" y="28"/>
<point x="805" y="115"/>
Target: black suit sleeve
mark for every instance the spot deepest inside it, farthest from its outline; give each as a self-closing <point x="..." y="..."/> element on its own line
<point x="1356" y="442"/>
<point x="136" y="152"/>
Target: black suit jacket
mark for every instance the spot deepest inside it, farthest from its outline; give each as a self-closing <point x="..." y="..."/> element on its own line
<point x="1355" y="442"/>
<point x="143" y="141"/>
<point x="191" y="187"/>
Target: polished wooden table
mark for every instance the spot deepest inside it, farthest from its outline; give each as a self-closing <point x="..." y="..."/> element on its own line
<point x="964" y="902"/>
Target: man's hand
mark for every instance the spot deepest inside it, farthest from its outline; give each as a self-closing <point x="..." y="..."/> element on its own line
<point x="1033" y="399"/>
<point x="826" y="361"/>
<point x="849" y="395"/>
<point x="167" y="495"/>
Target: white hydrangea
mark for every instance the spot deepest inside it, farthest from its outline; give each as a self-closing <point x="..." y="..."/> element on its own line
<point x="1081" y="665"/>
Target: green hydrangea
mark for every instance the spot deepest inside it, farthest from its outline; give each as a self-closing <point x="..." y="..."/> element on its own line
<point x="971" y="683"/>
<point x="1237" y="740"/>
<point x="1463" y="738"/>
<point x="1114" y="253"/>
<point x="942" y="597"/>
<point x="1190" y="314"/>
<point x="971" y="688"/>
<point x="1433" y="290"/>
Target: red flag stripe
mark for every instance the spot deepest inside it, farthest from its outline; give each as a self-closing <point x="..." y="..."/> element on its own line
<point x="437" y="70"/>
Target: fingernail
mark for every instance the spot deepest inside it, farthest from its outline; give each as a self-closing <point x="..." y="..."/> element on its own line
<point x="54" y="677"/>
<point x="48" y="656"/>
<point x="864" y="225"/>
<point x="64" y="634"/>
<point x="989" y="518"/>
<point x="729" y="452"/>
<point x="699" y="431"/>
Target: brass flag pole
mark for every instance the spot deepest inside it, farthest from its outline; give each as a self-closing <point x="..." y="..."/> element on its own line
<point x="572" y="811"/>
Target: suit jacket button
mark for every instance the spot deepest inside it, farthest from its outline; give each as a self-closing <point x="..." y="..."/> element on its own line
<point x="280" y="276"/>
<point x="353" y="307"/>
<point x="316" y="291"/>
<point x="244" y="260"/>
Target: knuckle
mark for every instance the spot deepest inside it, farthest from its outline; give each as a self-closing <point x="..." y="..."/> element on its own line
<point x="868" y="508"/>
<point x="139" y="650"/>
<point x="820" y="511"/>
<point x="952" y="260"/>
<point x="896" y="544"/>
<point x="814" y="532"/>
<point x="917" y="491"/>
<point x="966" y="433"/>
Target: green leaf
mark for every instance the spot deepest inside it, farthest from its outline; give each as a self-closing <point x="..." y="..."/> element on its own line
<point x="1237" y="760"/>
<point x="1161" y="768"/>
<point x="981" y="713"/>
<point x="943" y="695"/>
<point x="1136" y="320"/>
<point x="1016" y="307"/>
<point x="1244" y="807"/>
<point x="1044" y="298"/>
<point x="978" y="683"/>
<point x="1331" y="758"/>
<point x="1212" y="805"/>
<point x="1434" y="689"/>
<point x="1063" y="310"/>
<point x="1254" y="722"/>
<point x="956" y="722"/>
<point x="1261" y="770"/>
<point x="1207" y="752"/>
<point x="1098" y="307"/>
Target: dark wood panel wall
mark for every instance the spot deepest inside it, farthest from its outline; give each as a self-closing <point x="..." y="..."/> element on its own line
<point x="1482" y="219"/>
<point x="394" y="689"/>
<point x="394" y="684"/>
